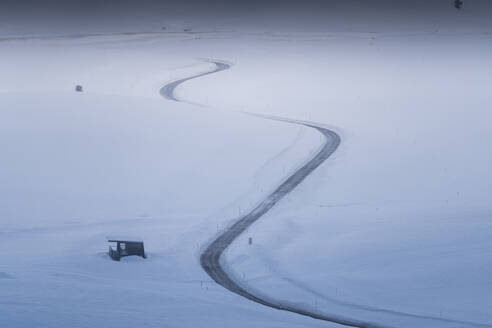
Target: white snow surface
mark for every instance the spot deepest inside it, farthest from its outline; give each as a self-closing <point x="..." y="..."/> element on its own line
<point x="120" y="159"/>
<point x="399" y="219"/>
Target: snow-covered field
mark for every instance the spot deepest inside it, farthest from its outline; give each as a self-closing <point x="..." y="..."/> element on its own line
<point x="401" y="219"/>
<point x="395" y="228"/>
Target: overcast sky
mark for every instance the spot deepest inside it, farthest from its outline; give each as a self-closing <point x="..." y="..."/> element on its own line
<point x="427" y="14"/>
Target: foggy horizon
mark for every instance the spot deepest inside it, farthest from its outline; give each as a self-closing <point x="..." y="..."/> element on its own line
<point x="31" y="17"/>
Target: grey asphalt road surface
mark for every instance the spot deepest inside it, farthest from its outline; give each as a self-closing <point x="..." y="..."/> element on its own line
<point x="211" y="259"/>
<point x="216" y="267"/>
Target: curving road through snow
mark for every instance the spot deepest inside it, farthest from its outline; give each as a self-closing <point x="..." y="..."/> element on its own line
<point x="216" y="267"/>
<point x="211" y="258"/>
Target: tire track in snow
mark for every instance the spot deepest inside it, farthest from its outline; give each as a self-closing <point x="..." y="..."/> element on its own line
<point x="211" y="258"/>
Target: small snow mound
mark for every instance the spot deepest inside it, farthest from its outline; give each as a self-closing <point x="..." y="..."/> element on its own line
<point x="132" y="258"/>
<point x="103" y="255"/>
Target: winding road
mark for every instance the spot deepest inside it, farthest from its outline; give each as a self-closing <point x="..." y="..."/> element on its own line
<point x="211" y="258"/>
<point x="213" y="262"/>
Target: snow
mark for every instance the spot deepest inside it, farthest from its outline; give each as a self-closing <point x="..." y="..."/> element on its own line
<point x="398" y="220"/>
<point x="77" y="167"/>
<point x="113" y="238"/>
